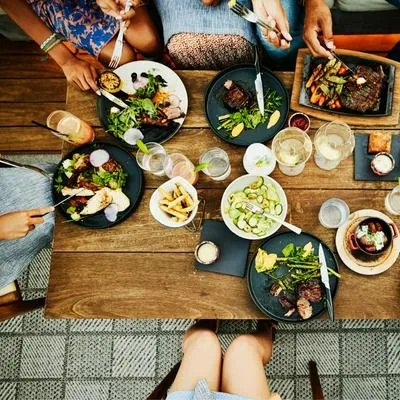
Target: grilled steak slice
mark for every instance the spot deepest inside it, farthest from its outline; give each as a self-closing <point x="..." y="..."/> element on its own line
<point x="363" y="97"/>
<point x="310" y="290"/>
<point x="236" y="97"/>
<point x="287" y="305"/>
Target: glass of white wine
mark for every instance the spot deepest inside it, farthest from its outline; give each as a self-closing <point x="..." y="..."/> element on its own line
<point x="292" y="148"/>
<point x="334" y="142"/>
<point x="392" y="201"/>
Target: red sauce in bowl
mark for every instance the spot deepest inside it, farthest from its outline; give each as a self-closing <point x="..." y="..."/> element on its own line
<point x="300" y="121"/>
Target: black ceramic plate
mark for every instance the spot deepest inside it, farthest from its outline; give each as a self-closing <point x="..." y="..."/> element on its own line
<point x="245" y="75"/>
<point x="133" y="188"/>
<point x="150" y="133"/>
<point x="386" y="101"/>
<point x="259" y="284"/>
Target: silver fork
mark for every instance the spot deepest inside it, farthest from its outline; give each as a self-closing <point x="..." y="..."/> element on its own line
<point x="117" y="53"/>
<point x="258" y="210"/>
<point x="247" y="14"/>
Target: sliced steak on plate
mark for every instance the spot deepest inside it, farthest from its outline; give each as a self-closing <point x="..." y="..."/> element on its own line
<point x="236" y="97"/>
<point x="363" y="97"/>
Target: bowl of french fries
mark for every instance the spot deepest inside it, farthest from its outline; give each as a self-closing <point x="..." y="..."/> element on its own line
<point x="174" y="203"/>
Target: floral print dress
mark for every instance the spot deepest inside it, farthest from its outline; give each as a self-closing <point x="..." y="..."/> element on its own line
<point x="80" y="22"/>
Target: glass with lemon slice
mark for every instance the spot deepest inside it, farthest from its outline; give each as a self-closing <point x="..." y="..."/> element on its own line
<point x="292" y="148"/>
<point x="70" y="128"/>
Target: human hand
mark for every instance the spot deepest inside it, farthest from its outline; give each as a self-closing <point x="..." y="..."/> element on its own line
<point x="318" y="19"/>
<point x="116" y="8"/>
<point x="18" y="224"/>
<point x="273" y="14"/>
<point x="81" y="74"/>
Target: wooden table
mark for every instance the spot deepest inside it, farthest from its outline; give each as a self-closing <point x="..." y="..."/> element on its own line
<point x="140" y="269"/>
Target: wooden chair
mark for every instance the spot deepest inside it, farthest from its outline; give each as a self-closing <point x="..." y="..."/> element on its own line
<point x="160" y="392"/>
<point x="12" y="305"/>
<point x="315" y="382"/>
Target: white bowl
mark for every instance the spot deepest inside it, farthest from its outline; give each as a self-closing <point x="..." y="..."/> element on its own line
<point x="254" y="153"/>
<point x="238" y="185"/>
<point x="161" y="216"/>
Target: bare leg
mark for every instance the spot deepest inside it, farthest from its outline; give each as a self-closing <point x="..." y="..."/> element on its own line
<point x="201" y="360"/>
<point x="142" y="33"/>
<point x="243" y="368"/>
<point x="106" y="53"/>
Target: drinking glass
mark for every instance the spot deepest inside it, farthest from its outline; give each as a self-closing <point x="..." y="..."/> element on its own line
<point x="392" y="201"/>
<point x="292" y="148"/>
<point x="177" y="164"/>
<point x="334" y="142"/>
<point x="153" y="160"/>
<point x="72" y="129"/>
<point x="333" y="213"/>
<point x="217" y="164"/>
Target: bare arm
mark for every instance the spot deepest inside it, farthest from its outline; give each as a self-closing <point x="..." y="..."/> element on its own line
<point x="77" y="72"/>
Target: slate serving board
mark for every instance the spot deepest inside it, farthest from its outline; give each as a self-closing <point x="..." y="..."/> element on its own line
<point x="362" y="160"/>
<point x="233" y="249"/>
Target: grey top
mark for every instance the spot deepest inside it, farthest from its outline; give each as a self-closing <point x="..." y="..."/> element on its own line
<point x="193" y="16"/>
<point x="23" y="189"/>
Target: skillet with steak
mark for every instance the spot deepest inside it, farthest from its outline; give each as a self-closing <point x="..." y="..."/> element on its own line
<point x="363" y="97"/>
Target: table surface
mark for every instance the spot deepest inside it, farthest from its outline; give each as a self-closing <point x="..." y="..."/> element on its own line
<point x="139" y="269"/>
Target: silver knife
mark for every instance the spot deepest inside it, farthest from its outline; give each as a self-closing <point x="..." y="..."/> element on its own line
<point x="325" y="281"/>
<point x="259" y="85"/>
<point x="61" y="202"/>
<point x="114" y="99"/>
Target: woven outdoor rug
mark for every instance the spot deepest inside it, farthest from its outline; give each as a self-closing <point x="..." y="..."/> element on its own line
<point x="125" y="359"/>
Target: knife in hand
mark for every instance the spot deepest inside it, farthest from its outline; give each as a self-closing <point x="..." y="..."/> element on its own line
<point x="258" y="84"/>
<point x="325" y="281"/>
<point x="113" y="98"/>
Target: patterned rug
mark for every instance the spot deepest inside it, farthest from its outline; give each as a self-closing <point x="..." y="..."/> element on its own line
<point x="42" y="359"/>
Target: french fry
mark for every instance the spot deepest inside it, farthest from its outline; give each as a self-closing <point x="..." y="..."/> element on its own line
<point x="174" y="213"/>
<point x="178" y="200"/>
<point x="164" y="202"/>
<point x="167" y="195"/>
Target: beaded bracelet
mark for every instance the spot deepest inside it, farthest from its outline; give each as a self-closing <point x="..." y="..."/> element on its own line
<point x="51" y="41"/>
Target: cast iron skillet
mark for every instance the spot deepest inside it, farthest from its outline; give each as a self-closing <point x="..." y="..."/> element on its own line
<point x="386" y="100"/>
<point x="133" y="188"/>
<point x="259" y="284"/>
<point x="245" y="75"/>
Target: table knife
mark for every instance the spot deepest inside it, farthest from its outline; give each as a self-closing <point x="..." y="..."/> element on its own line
<point x="114" y="99"/>
<point x="325" y="281"/>
<point x="259" y="85"/>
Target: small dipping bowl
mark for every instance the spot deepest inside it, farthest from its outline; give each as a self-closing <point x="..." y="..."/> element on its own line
<point x="206" y="252"/>
<point x="300" y="120"/>
<point x="382" y="164"/>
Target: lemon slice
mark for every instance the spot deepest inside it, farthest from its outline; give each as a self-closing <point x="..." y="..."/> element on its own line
<point x="273" y="119"/>
<point x="69" y="125"/>
<point x="237" y="130"/>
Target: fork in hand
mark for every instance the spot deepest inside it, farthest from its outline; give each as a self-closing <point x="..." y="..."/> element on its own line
<point x="117" y="53"/>
<point x="247" y="14"/>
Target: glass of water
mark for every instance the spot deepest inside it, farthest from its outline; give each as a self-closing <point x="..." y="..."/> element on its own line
<point x="153" y="160"/>
<point x="333" y="213"/>
<point x="216" y="164"/>
<point x="392" y="201"/>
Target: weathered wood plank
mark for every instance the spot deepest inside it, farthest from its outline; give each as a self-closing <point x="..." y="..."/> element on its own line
<point x="141" y="233"/>
<point x="29" y="66"/>
<point x="312" y="177"/>
<point x="148" y="285"/>
<point x="23" y="113"/>
<point x="24" y="139"/>
<point x="9" y="47"/>
<point x="33" y="90"/>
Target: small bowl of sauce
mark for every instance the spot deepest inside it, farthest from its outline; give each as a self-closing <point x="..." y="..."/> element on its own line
<point x="300" y="120"/>
<point x="206" y="252"/>
<point x="382" y="164"/>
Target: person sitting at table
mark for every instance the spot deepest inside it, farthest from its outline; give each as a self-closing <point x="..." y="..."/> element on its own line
<point x="23" y="233"/>
<point x="240" y="374"/>
<point x="88" y="25"/>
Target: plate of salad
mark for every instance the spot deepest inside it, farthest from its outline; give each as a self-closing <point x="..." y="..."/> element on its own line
<point x="284" y="278"/>
<point x="232" y="110"/>
<point x="263" y="191"/>
<point x="105" y="180"/>
<point x="156" y="98"/>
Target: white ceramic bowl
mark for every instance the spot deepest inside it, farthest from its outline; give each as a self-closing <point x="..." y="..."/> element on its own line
<point x="161" y="216"/>
<point x="238" y="185"/>
<point x="254" y="153"/>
